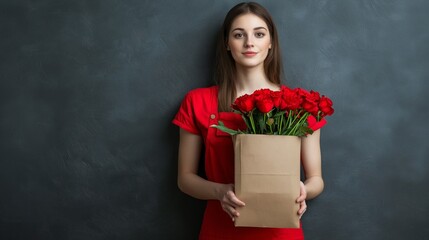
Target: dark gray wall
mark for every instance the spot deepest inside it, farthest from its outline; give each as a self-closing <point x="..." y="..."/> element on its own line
<point x="88" y="90"/>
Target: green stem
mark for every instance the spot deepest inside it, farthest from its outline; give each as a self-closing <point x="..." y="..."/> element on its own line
<point x="290" y="121"/>
<point x="252" y="122"/>
<point x="265" y="121"/>
<point x="298" y="123"/>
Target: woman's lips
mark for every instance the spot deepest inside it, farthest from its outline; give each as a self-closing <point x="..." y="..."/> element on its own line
<point x="249" y="54"/>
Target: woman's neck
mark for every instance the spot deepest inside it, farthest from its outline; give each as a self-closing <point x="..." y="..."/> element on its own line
<point x="250" y="79"/>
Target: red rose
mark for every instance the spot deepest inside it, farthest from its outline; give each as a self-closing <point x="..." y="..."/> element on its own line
<point x="311" y="102"/>
<point x="291" y="100"/>
<point x="315" y="95"/>
<point x="261" y="93"/>
<point x="245" y="103"/>
<point x="276" y="96"/>
<point x="301" y="92"/>
<point x="325" y="105"/>
<point x="265" y="104"/>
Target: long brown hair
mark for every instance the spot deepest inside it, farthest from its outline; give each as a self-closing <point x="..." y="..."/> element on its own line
<point x="225" y="70"/>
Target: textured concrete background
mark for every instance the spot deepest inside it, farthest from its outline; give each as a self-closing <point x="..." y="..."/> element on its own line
<point x="88" y="90"/>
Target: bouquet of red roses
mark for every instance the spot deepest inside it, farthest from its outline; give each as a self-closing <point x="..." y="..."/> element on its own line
<point x="283" y="112"/>
<point x="267" y="156"/>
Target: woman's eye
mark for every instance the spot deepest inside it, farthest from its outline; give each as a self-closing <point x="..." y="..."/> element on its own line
<point x="238" y="35"/>
<point x="260" y="35"/>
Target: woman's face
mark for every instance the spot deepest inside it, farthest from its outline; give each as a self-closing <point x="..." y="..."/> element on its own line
<point x="249" y="40"/>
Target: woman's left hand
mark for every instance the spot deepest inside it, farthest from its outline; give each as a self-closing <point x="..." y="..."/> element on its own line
<point x="301" y="200"/>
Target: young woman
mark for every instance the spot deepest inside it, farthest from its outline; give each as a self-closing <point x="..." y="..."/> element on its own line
<point x="247" y="59"/>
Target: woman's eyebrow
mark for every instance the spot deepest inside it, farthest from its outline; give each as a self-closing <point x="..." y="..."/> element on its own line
<point x="242" y="29"/>
<point x="258" y="28"/>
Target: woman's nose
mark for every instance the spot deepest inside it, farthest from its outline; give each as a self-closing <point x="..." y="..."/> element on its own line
<point x="248" y="43"/>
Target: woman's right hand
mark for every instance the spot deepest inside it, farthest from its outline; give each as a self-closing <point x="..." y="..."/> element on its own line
<point x="229" y="201"/>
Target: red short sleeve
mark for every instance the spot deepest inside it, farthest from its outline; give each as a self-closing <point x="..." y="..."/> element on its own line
<point x="314" y="124"/>
<point x="185" y="117"/>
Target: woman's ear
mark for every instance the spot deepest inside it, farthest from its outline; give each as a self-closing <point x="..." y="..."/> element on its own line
<point x="227" y="48"/>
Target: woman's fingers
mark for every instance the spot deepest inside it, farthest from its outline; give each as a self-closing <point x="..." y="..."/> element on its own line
<point x="302" y="193"/>
<point x="230" y="202"/>
<point x="302" y="208"/>
<point x="232" y="198"/>
<point x="231" y="211"/>
<point x="301" y="200"/>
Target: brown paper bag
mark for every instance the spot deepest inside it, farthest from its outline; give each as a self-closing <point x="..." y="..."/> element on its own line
<point x="267" y="175"/>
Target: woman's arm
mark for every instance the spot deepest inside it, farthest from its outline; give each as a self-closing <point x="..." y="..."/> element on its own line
<point x="312" y="164"/>
<point x="190" y="183"/>
<point x="188" y="180"/>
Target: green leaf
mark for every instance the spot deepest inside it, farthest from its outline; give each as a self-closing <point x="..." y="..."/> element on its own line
<point x="252" y="123"/>
<point x="278" y="114"/>
<point x="223" y="128"/>
<point x="262" y="125"/>
<point x="247" y="121"/>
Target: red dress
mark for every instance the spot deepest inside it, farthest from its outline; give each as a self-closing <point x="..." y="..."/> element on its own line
<point x="197" y="112"/>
